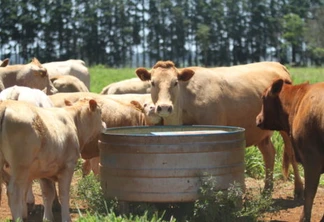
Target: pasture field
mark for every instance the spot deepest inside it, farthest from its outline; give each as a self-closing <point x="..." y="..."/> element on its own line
<point x="101" y="76"/>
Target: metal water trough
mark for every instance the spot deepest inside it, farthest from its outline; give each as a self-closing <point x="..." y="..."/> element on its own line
<point x="167" y="163"/>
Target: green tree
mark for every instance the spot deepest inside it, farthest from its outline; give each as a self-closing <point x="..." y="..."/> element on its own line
<point x="314" y="36"/>
<point x="293" y="33"/>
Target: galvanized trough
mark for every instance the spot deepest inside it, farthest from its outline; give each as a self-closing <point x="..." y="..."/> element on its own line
<point x="167" y="163"/>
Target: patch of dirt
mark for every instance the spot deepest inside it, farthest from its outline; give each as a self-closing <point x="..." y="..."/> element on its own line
<point x="290" y="209"/>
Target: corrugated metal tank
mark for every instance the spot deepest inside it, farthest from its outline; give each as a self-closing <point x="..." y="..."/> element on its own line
<point x="167" y="163"/>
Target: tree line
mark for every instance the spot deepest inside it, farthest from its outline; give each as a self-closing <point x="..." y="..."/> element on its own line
<point x="132" y="33"/>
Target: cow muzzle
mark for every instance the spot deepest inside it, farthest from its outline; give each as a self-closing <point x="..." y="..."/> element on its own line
<point x="164" y="110"/>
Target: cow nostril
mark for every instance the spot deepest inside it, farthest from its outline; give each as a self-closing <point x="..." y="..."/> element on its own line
<point x="159" y="108"/>
<point x="170" y="109"/>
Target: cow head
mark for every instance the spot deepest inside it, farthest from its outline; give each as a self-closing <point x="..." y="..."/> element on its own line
<point x="41" y="79"/>
<point x="148" y="109"/>
<point x="165" y="89"/>
<point x="273" y="115"/>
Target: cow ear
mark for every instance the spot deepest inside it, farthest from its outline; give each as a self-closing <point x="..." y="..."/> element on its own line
<point x="276" y="87"/>
<point x="185" y="74"/>
<point x="143" y="74"/>
<point x="67" y="102"/>
<point x="93" y="105"/>
<point x="36" y="61"/>
<point x="4" y="63"/>
<point x="137" y="105"/>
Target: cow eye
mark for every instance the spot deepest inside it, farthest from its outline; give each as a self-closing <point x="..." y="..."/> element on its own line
<point x="176" y="83"/>
<point x="152" y="83"/>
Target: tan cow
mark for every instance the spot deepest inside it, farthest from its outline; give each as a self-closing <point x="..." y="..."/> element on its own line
<point x="118" y="114"/>
<point x="133" y="85"/>
<point x="230" y="96"/>
<point x="73" y="67"/>
<point x="115" y="113"/>
<point x="68" y="83"/>
<point x="298" y="110"/>
<point x="38" y="98"/>
<point x="44" y="143"/>
<point x="32" y="75"/>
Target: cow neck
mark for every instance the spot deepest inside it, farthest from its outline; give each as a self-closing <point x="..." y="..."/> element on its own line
<point x="291" y="97"/>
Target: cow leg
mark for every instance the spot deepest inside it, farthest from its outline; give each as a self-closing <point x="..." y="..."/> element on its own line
<point x="30" y="198"/>
<point x="16" y="192"/>
<point x="94" y="162"/>
<point x="56" y="202"/>
<point x="312" y="177"/>
<point x="64" y="183"/>
<point x="289" y="157"/>
<point x="268" y="152"/>
<point x="48" y="193"/>
<point x="86" y="167"/>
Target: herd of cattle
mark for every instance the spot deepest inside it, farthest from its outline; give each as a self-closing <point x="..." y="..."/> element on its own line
<point x="48" y="119"/>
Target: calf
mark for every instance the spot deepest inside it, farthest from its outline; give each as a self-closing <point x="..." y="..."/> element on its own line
<point x="37" y="98"/>
<point x="298" y="110"/>
<point x="44" y="143"/>
<point x="117" y="114"/>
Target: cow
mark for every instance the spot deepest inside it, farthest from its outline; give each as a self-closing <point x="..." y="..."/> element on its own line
<point x="37" y="98"/>
<point x="73" y="67"/>
<point x="68" y="83"/>
<point x="298" y="110"/>
<point x="32" y="75"/>
<point x="44" y="143"/>
<point x="117" y="111"/>
<point x="220" y="96"/>
<point x="133" y="85"/>
<point x="122" y="114"/>
<point x="23" y="93"/>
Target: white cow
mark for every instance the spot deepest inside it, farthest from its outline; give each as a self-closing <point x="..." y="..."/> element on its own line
<point x="23" y="93"/>
<point x="44" y="143"/>
<point x="73" y="67"/>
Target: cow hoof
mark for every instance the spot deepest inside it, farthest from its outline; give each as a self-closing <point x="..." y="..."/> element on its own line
<point x="30" y="208"/>
<point x="56" y="206"/>
<point x="298" y="195"/>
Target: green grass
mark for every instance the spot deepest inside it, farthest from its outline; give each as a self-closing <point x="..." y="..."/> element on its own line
<point x="102" y="76"/>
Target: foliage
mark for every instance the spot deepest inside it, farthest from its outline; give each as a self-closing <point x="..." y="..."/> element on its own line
<point x="89" y="190"/>
<point x="134" y="33"/>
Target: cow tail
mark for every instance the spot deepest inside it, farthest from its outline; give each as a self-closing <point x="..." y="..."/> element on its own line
<point x="2" y="160"/>
<point x="285" y="164"/>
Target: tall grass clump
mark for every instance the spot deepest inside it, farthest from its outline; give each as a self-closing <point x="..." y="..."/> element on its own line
<point x="233" y="204"/>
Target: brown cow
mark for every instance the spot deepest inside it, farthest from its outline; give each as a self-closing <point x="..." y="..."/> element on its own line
<point x="68" y="83"/>
<point x="32" y="75"/>
<point x="221" y="96"/>
<point x="298" y="110"/>
<point x="44" y="143"/>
